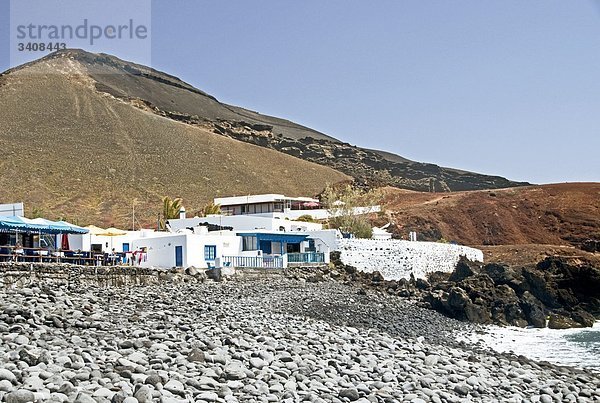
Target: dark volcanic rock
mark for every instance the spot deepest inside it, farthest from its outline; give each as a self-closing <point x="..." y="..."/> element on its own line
<point x="520" y="296"/>
<point x="559" y="321"/>
<point x="500" y="273"/>
<point x="591" y="245"/>
<point x="464" y="268"/>
<point x="533" y="309"/>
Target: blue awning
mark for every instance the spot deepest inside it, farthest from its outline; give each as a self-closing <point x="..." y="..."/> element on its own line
<point x="275" y="237"/>
<point x="22" y="224"/>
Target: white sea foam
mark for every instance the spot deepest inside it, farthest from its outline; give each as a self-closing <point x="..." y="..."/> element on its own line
<point x="573" y="347"/>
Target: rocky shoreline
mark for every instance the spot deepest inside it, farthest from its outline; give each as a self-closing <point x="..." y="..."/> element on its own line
<point x="558" y="293"/>
<point x="292" y="336"/>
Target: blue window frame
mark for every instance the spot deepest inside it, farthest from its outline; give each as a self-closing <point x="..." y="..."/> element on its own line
<point x="210" y="252"/>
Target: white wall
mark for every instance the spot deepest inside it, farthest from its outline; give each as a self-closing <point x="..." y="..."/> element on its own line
<point x="227" y="244"/>
<point x="329" y="237"/>
<point x="323" y="214"/>
<point x="396" y="259"/>
<point x="161" y="247"/>
<point x="84" y="241"/>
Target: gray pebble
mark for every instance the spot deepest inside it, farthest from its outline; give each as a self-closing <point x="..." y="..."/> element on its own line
<point x="20" y="396"/>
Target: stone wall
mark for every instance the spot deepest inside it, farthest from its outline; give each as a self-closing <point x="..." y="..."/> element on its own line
<point x="51" y="274"/>
<point x="396" y="259"/>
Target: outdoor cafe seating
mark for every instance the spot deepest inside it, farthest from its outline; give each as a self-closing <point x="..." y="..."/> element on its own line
<point x="20" y="241"/>
<point x="10" y="253"/>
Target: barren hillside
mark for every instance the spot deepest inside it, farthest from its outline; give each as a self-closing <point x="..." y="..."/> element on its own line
<point x="170" y="97"/>
<point x="560" y="214"/>
<point x="74" y="152"/>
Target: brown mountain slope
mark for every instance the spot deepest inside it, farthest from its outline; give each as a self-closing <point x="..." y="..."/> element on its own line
<point x="78" y="153"/>
<point x="171" y="97"/>
<point x="560" y="214"/>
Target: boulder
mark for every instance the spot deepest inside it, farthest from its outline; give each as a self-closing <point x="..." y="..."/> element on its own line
<point x="500" y="273"/>
<point x="422" y="284"/>
<point x="560" y="321"/>
<point x="515" y="315"/>
<point x="377" y="278"/>
<point x="538" y="285"/>
<point x="477" y="313"/>
<point x="583" y="318"/>
<point x="533" y="310"/>
<point x="458" y="299"/>
<point x="214" y="274"/>
<point x="191" y="271"/>
<point x="464" y="268"/>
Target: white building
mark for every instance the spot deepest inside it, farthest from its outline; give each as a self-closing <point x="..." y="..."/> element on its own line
<point x="236" y="249"/>
<point x="279" y="206"/>
<point x="104" y="243"/>
<point x="12" y="209"/>
<point x="245" y="222"/>
<point x="270" y="205"/>
<point x="184" y="249"/>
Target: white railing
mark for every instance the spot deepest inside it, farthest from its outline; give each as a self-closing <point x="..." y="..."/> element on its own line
<point x="306" y="258"/>
<point x="254" y="262"/>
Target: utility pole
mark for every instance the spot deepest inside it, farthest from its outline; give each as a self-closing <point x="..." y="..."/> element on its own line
<point x="133" y="214"/>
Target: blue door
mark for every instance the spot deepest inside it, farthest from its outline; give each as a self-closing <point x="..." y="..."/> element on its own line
<point x="125" y="250"/>
<point x="178" y="256"/>
<point x="265" y="247"/>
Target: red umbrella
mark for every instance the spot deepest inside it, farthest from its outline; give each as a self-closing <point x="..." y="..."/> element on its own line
<point x="64" y="245"/>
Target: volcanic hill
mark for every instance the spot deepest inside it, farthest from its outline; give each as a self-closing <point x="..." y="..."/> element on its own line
<point x="85" y="135"/>
<point x="71" y="150"/>
<point x="559" y="214"/>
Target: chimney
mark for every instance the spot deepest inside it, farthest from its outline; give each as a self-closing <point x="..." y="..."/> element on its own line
<point x="182" y="213"/>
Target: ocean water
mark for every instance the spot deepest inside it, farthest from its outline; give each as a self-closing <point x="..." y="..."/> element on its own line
<point x="572" y="347"/>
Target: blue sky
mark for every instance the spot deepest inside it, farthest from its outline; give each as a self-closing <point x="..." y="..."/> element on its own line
<point x="501" y="87"/>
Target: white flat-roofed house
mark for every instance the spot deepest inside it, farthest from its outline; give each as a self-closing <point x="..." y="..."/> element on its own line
<point x="248" y="223"/>
<point x="279" y="206"/>
<point x="283" y="248"/>
<point x="271" y="205"/>
<point x="245" y="249"/>
<point x="185" y="248"/>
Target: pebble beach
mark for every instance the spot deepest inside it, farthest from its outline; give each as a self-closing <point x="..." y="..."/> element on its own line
<point x="265" y="339"/>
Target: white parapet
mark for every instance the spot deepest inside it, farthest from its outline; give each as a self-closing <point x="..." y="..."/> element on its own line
<point x="396" y="259"/>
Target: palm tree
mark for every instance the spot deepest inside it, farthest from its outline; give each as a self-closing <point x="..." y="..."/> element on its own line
<point x="211" y="208"/>
<point x="171" y="209"/>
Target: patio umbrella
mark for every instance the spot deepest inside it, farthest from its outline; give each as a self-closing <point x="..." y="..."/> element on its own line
<point x="64" y="245"/>
<point x="112" y="232"/>
<point x="93" y="230"/>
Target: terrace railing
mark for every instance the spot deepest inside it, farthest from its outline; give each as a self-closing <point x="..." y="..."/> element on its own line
<point x="306" y="258"/>
<point x="253" y="262"/>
